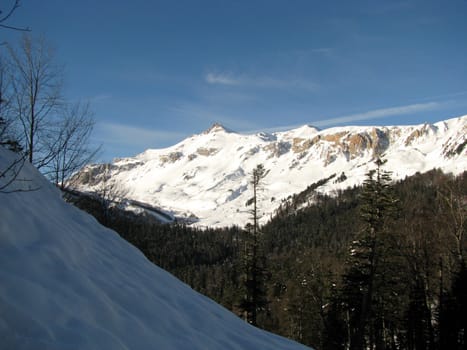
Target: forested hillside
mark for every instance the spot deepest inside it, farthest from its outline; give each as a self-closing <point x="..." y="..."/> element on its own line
<point x="382" y="265"/>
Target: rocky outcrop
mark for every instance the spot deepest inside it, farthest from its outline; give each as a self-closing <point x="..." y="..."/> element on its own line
<point x="376" y="141"/>
<point x="418" y="133"/>
<point x="277" y="149"/>
<point x="456" y="145"/>
<point x="216" y="127"/>
<point x="171" y="157"/>
<point x="202" y="151"/>
<point x="300" y="145"/>
<point x="92" y="174"/>
<point x="351" y="144"/>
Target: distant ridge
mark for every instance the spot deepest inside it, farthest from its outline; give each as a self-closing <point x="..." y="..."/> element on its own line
<point x="206" y="177"/>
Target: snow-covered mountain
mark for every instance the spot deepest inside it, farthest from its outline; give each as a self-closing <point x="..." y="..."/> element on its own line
<point x="206" y="177"/>
<point x="66" y="282"/>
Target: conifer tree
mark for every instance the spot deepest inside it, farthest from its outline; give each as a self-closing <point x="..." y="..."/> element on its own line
<point x="254" y="261"/>
<point x="368" y="283"/>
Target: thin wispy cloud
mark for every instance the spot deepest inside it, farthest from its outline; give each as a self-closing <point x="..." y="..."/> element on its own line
<point x="222" y="79"/>
<point x="379" y="113"/>
<point x="368" y="115"/>
<point x="230" y="79"/>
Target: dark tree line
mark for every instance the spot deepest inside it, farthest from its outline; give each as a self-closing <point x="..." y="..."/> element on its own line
<point x="380" y="266"/>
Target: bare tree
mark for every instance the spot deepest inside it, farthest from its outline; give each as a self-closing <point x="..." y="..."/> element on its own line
<point x="55" y="135"/>
<point x="70" y="146"/>
<point x="9" y="172"/>
<point x="453" y="200"/>
<point x="5" y="104"/>
<point x="36" y="86"/>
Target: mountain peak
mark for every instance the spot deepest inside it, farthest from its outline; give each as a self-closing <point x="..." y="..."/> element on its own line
<point x="216" y="127"/>
<point x="207" y="176"/>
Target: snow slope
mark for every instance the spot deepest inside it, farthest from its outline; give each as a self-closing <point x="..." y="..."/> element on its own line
<point x="207" y="175"/>
<point x="67" y="282"/>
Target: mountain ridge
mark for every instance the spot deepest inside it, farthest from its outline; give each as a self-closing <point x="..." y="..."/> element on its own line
<point x="206" y="176"/>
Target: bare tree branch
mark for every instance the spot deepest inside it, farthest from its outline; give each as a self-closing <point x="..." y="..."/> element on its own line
<point x="36" y="83"/>
<point x="71" y="148"/>
<point x="10" y="176"/>
<point x="9" y="13"/>
<point x="11" y="172"/>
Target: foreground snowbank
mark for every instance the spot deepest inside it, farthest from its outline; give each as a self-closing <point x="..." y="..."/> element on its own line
<point x="66" y="282"/>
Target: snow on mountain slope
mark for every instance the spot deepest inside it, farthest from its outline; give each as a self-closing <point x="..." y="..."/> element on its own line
<point x="207" y="175"/>
<point x="67" y="282"/>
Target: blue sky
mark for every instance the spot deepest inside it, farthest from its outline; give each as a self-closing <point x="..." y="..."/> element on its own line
<point x="156" y="72"/>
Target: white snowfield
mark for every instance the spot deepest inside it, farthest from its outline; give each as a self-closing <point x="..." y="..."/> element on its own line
<point x="207" y="175"/>
<point x="66" y="282"/>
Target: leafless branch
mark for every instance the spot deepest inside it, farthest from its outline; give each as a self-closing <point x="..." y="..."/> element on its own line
<point x="36" y="83"/>
<point x="9" y="13"/>
<point x="10" y="174"/>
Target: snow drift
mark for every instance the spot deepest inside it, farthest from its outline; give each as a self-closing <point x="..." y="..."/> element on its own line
<point x="67" y="282"/>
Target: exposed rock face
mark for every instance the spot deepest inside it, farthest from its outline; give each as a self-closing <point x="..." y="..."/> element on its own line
<point x="376" y="141"/>
<point x="216" y="127"/>
<point x="335" y="139"/>
<point x="201" y="175"/>
<point x="276" y="149"/>
<point x="413" y="136"/>
<point x="92" y="175"/>
<point x="456" y="145"/>
<point x="350" y="144"/>
<point x="300" y="145"/>
<point x="203" y="151"/>
<point x="420" y="133"/>
<point x="171" y="157"/>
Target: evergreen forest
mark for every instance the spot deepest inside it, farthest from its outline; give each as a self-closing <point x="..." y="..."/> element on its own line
<point x="380" y="266"/>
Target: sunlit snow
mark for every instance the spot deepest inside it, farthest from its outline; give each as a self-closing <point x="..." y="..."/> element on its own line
<point x="66" y="282"/>
<point x="207" y="175"/>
